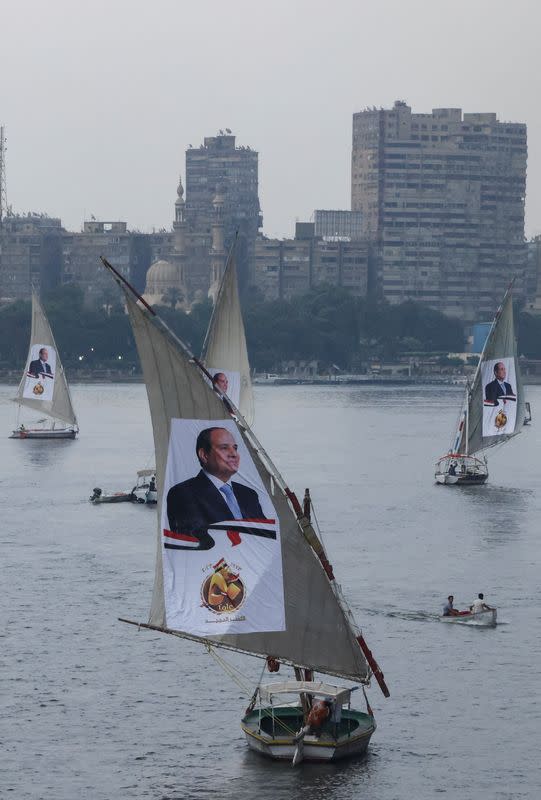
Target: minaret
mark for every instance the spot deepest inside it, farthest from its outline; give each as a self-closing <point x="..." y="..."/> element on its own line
<point x="179" y="227"/>
<point x="217" y="253"/>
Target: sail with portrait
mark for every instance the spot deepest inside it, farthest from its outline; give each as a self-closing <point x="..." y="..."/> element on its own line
<point x="239" y="565"/>
<point x="493" y="409"/>
<point x="224" y="353"/>
<point x="43" y="387"/>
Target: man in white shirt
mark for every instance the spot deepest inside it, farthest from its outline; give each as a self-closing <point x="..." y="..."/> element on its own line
<point x="479" y="604"/>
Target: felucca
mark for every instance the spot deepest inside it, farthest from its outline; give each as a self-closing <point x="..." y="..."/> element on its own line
<point x="239" y="565"/>
<point x="493" y="409"/>
<point x="43" y="386"/>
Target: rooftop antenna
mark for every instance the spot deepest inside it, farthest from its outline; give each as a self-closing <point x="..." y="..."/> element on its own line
<point x="4" y="210"/>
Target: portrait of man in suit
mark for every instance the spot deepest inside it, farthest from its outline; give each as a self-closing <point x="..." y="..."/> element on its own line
<point x="220" y="382"/>
<point x="499" y="387"/>
<point x="40" y="365"/>
<point x="211" y="495"/>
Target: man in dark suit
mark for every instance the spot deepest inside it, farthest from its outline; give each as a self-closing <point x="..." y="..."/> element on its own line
<point x="211" y="496"/>
<point x="499" y="386"/>
<point x="40" y="365"/>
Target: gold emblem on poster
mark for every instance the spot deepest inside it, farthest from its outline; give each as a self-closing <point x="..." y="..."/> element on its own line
<point x="501" y="420"/>
<point x="38" y="389"/>
<point x="222" y="591"/>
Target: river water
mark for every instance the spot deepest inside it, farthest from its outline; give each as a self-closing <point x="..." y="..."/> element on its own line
<point x="92" y="708"/>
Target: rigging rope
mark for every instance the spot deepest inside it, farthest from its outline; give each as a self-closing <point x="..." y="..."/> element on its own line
<point x="232" y="671"/>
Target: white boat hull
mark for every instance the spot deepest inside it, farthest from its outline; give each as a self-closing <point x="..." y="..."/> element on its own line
<point x="44" y="433"/>
<point x="483" y="619"/>
<point x="448" y="480"/>
<point x="326" y="747"/>
<point x="145" y="496"/>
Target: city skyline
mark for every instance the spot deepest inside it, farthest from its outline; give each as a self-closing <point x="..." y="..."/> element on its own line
<point x="100" y="103"/>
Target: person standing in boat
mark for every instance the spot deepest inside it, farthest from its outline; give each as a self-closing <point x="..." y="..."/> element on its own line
<point x="211" y="496"/>
<point x="40" y="365"/>
<point x="479" y="604"/>
<point x="499" y="387"/>
<point x="448" y="609"/>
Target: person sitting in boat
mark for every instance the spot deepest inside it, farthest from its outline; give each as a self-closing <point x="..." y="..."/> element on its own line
<point x="448" y="609"/>
<point x="211" y="496"/>
<point x="319" y="714"/>
<point x="499" y="386"/>
<point x="40" y="365"/>
<point x="452" y="468"/>
<point x="479" y="604"/>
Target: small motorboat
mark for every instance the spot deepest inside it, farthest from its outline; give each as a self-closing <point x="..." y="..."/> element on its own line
<point x="281" y="730"/>
<point x="482" y="619"/>
<point x="145" y="490"/>
<point x="98" y="496"/>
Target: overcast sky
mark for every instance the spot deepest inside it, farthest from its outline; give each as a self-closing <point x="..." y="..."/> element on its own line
<point x="100" y="99"/>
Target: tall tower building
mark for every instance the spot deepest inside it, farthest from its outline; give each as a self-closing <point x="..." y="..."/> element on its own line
<point x="442" y="196"/>
<point x="217" y="253"/>
<point x="218" y="162"/>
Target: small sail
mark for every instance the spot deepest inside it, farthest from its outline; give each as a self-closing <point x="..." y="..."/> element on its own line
<point x="43" y="386"/>
<point x="250" y="582"/>
<point x="224" y="352"/>
<point x="495" y="400"/>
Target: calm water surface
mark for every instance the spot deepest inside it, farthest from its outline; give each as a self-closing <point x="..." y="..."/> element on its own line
<point x="91" y="708"/>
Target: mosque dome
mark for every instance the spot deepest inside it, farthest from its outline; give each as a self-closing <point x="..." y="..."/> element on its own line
<point x="161" y="276"/>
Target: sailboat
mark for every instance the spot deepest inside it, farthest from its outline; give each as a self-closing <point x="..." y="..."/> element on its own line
<point x="239" y="565"/>
<point x="493" y="408"/>
<point x="43" y="386"/>
<point x="224" y="353"/>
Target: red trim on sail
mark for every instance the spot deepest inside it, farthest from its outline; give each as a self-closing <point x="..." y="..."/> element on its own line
<point x="378" y="674"/>
<point x="184" y="537"/>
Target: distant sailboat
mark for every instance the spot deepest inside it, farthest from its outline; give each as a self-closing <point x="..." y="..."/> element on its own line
<point x="239" y="565"/>
<point x="43" y="386"/>
<point x="224" y="353"/>
<point x="493" y="408"/>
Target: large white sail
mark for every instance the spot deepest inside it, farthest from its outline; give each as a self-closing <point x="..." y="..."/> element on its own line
<point x="286" y="584"/>
<point x="224" y="352"/>
<point x="43" y="386"/>
<point x="494" y="406"/>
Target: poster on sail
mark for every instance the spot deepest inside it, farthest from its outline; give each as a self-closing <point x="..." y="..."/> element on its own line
<point x="499" y="396"/>
<point x="39" y="381"/>
<point x="222" y="558"/>
<point x="225" y="381"/>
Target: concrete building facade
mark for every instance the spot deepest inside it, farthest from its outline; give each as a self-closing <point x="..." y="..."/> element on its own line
<point x="289" y="267"/>
<point x="220" y="167"/>
<point x="442" y="197"/>
<point x="30" y="254"/>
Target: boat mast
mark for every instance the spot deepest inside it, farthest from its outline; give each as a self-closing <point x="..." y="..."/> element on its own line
<point x="468" y="395"/>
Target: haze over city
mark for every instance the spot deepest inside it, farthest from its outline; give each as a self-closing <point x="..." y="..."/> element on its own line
<point x="100" y="101"/>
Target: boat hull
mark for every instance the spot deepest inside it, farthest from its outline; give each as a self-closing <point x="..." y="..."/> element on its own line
<point x="461" y="480"/>
<point x="483" y="619"/>
<point x="112" y="498"/>
<point x="350" y="738"/>
<point x="38" y="433"/>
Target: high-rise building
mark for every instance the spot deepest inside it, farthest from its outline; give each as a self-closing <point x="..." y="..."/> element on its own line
<point x="442" y="197"/>
<point x="30" y="254"/>
<point x="219" y="167"/>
